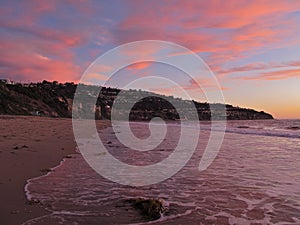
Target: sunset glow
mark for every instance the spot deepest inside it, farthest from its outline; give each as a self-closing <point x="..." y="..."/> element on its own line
<point x="253" y="47"/>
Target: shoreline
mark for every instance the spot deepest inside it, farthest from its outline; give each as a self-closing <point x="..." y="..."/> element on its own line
<point x="30" y="146"/>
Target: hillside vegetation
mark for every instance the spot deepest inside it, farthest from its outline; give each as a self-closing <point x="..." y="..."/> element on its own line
<point x="55" y="100"/>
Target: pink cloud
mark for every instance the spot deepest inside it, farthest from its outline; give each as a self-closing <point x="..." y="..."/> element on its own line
<point x="139" y="66"/>
<point x="247" y="26"/>
<point x="257" y="66"/>
<point x="33" y="51"/>
<point x="274" y="75"/>
<point x="227" y="30"/>
<point x="33" y="60"/>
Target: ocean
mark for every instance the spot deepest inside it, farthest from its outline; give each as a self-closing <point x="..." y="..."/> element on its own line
<point x="255" y="179"/>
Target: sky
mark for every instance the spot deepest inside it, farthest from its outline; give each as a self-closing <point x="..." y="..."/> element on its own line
<point x="252" y="47"/>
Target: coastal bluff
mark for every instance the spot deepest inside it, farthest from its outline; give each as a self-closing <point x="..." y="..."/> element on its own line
<point x="53" y="99"/>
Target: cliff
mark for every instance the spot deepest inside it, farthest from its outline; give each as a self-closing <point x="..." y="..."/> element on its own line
<point x="55" y="99"/>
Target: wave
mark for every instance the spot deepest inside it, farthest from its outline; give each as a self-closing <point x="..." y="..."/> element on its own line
<point x="260" y="132"/>
<point x="273" y="128"/>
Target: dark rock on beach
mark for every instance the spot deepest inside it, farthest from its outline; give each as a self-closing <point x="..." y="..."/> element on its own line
<point x="293" y="128"/>
<point x="242" y="126"/>
<point x="150" y="209"/>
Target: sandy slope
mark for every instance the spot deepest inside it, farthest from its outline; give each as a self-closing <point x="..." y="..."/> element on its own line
<point x="28" y="147"/>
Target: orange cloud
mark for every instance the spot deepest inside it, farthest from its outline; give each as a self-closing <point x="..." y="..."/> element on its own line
<point x="139" y="66"/>
<point x="274" y="75"/>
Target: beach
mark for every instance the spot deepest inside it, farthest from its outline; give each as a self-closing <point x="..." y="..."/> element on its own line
<point x="253" y="180"/>
<point x="30" y="146"/>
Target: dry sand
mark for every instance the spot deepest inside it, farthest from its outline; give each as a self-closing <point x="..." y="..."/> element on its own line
<point x="28" y="147"/>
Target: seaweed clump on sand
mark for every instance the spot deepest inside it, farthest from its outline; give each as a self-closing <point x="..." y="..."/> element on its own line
<point x="242" y="126"/>
<point x="293" y="128"/>
<point x="150" y="209"/>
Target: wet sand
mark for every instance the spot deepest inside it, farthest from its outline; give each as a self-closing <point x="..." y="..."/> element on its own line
<point x="29" y="147"/>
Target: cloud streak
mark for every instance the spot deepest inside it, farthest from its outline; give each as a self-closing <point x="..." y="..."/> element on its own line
<point x="274" y="75"/>
<point x="70" y="33"/>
